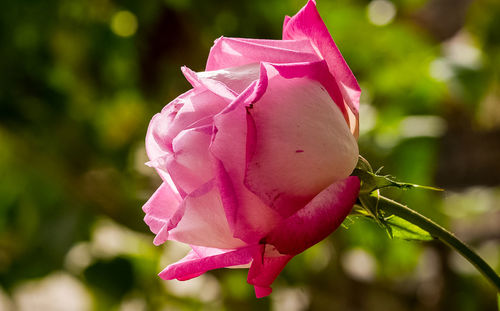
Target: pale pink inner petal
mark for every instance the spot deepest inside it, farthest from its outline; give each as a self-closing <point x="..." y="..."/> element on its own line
<point x="212" y="85"/>
<point x="198" y="106"/>
<point x="158" y="141"/>
<point x="203" y="221"/>
<point x="234" y="52"/>
<point x="160" y="207"/>
<point x="235" y="78"/>
<point x="317" y="71"/>
<point x="303" y="46"/>
<point x="191" y="164"/>
<point x="184" y="112"/>
<point x="302" y="144"/>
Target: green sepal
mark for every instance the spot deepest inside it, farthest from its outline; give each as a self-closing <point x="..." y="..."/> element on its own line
<point x="368" y="199"/>
<point x="371" y="181"/>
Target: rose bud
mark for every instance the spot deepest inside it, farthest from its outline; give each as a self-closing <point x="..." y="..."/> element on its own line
<point x="256" y="157"/>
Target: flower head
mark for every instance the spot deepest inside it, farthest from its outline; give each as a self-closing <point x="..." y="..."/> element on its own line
<point x="256" y="157"/>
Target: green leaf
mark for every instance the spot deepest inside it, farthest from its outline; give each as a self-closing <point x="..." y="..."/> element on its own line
<point x="368" y="197"/>
<point x="402" y="229"/>
<point x="395" y="226"/>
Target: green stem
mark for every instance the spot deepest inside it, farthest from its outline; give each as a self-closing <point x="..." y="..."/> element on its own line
<point x="442" y="234"/>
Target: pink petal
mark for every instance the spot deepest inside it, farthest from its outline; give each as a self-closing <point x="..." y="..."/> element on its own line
<point x="286" y="20"/>
<point x="160" y="207"/>
<point x="266" y="266"/>
<point x="315" y="71"/>
<point x="228" y="82"/>
<point x="301" y="145"/>
<point x="191" y="165"/>
<point x="200" y="220"/>
<point x="184" y="112"/>
<point x="204" y="259"/>
<point x="234" y="52"/>
<point x="191" y="256"/>
<point x="213" y="85"/>
<point x="249" y="218"/>
<point x="261" y="292"/>
<point x="307" y="24"/>
<point x="316" y="220"/>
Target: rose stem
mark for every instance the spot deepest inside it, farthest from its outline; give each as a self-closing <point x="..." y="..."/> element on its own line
<point x="442" y="234"/>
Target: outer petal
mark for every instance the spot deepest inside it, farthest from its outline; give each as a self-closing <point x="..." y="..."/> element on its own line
<point x="160" y="207"/>
<point x="317" y="219"/>
<point x="266" y="266"/>
<point x="200" y="260"/>
<point x="234" y="52"/>
<point x="200" y="220"/>
<point x="249" y="218"/>
<point x="307" y="24"/>
<point x="317" y="71"/>
<point x="301" y="144"/>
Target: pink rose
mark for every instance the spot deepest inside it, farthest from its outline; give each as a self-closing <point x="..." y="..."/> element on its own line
<point x="256" y="157"/>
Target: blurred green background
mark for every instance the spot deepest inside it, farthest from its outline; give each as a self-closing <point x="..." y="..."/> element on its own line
<point x="81" y="79"/>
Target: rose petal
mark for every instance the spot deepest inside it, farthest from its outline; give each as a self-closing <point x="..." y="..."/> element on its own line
<point x="204" y="259"/>
<point x="160" y="207"/>
<point x="317" y="219"/>
<point x="158" y="140"/>
<point x="296" y="124"/>
<point x="315" y="71"/>
<point x="191" y="164"/>
<point x="266" y="266"/>
<point x="214" y="86"/>
<point x="200" y="220"/>
<point x="307" y="24"/>
<point x="227" y="83"/>
<point x="234" y="52"/>
<point x="249" y="218"/>
<point x="184" y="112"/>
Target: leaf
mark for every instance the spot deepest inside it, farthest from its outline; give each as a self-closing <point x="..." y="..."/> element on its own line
<point x="395" y="226"/>
<point x="371" y="182"/>
<point x="402" y="229"/>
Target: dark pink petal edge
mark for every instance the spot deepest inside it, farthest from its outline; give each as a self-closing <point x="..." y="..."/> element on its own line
<point x="193" y="264"/>
<point x="264" y="270"/>
<point x="316" y="220"/>
<point x="307" y="23"/>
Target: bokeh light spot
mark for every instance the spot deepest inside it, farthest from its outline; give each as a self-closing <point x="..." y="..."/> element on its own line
<point x="124" y="23"/>
<point x="381" y="12"/>
<point x="441" y="70"/>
